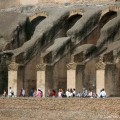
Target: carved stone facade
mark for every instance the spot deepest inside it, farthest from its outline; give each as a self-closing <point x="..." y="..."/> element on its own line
<point x="100" y="64"/>
<point x="71" y="66"/>
<point x="68" y="70"/>
<point x="41" y="67"/>
<point x="13" y="66"/>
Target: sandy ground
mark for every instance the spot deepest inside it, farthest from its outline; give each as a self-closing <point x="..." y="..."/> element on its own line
<point x="59" y="109"/>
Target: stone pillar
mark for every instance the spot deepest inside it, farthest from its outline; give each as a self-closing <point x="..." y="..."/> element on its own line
<point x="44" y="78"/>
<point x="100" y="75"/>
<point x="75" y="76"/>
<point x="3" y="75"/>
<point x="110" y="81"/>
<point x="13" y="77"/>
<point x="80" y="77"/>
<point x="71" y="75"/>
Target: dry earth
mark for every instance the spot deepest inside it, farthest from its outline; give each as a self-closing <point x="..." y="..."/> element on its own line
<point x="59" y="109"/>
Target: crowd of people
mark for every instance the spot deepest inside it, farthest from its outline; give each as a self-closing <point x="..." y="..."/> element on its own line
<point x="72" y="93"/>
<point x="69" y="93"/>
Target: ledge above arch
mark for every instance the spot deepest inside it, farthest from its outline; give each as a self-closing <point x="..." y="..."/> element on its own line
<point x="109" y="9"/>
<point x="75" y="12"/>
<point x="43" y="14"/>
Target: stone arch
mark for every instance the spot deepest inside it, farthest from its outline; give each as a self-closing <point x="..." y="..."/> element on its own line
<point x="110" y="9"/>
<point x="76" y="12"/>
<point x="106" y="15"/>
<point x="36" y="19"/>
<point x="32" y="17"/>
<point x="73" y="17"/>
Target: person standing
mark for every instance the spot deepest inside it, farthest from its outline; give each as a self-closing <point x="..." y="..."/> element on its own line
<point x="68" y="93"/>
<point x="39" y="93"/>
<point x="60" y="93"/>
<point x="35" y="93"/>
<point x="20" y="93"/>
<point x="74" y="92"/>
<point x="4" y="93"/>
<point x="31" y="92"/>
<point x="11" y="92"/>
<point x="103" y="93"/>
<point x="23" y="92"/>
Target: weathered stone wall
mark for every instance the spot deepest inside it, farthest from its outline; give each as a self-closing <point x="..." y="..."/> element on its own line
<point x="74" y="1"/>
<point x="29" y="2"/>
<point x="8" y="3"/>
<point x="11" y="3"/>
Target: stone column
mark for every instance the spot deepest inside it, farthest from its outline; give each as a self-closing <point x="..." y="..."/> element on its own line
<point x="75" y="72"/>
<point x="100" y="75"/>
<point x="44" y="78"/>
<point x="75" y="76"/>
<point x="110" y="81"/>
<point x="13" y="77"/>
<point x="71" y="75"/>
<point x="80" y="77"/>
<point x="3" y="75"/>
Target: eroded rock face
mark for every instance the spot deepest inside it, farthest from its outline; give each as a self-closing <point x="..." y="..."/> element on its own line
<point x="57" y="33"/>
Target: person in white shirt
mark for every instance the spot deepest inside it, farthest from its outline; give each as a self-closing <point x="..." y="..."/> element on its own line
<point x="74" y="92"/>
<point x="11" y="93"/>
<point x="60" y="93"/>
<point x="67" y="93"/>
<point x="90" y="94"/>
<point x="103" y="93"/>
<point x="23" y="92"/>
<point x="71" y="93"/>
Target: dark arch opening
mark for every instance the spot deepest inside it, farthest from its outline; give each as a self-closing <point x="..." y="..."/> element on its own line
<point x="107" y="17"/>
<point x="95" y="34"/>
<point x="35" y="22"/>
<point x="67" y="24"/>
<point x="71" y="21"/>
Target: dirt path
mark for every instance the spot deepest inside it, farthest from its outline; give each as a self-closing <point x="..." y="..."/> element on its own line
<point x="59" y="109"/>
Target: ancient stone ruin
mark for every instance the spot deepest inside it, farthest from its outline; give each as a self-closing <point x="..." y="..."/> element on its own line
<point x="73" y="44"/>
